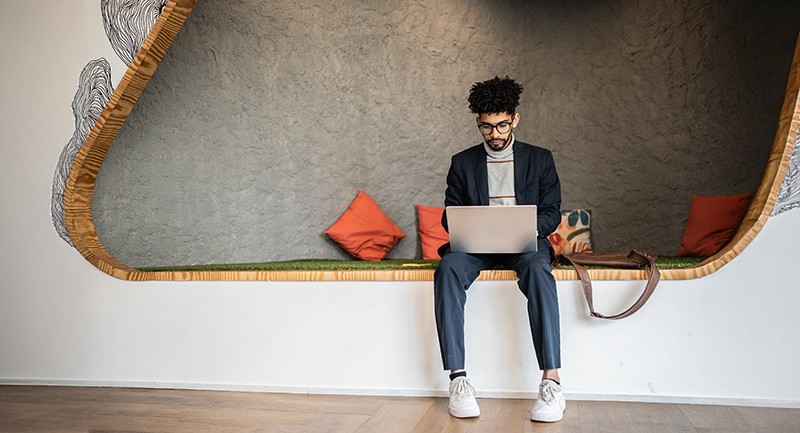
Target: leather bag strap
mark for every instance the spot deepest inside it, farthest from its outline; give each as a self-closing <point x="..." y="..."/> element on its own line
<point x="635" y="256"/>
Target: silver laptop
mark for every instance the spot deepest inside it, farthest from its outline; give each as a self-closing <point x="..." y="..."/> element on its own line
<point x="492" y="229"/>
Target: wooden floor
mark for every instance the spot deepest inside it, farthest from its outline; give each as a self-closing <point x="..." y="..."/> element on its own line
<point x="107" y="410"/>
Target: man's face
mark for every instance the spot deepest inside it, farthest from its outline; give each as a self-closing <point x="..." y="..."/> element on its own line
<point x="496" y="128"/>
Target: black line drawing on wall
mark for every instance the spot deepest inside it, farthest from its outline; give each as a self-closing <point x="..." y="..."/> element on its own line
<point x="127" y="23"/>
<point x="789" y="195"/>
<point x="94" y="91"/>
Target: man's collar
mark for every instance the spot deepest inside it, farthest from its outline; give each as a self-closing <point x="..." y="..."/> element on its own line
<point x="497" y="154"/>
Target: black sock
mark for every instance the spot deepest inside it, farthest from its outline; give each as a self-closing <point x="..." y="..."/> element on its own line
<point x="557" y="382"/>
<point x="459" y="374"/>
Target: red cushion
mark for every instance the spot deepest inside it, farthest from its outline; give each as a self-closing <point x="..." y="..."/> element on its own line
<point x="713" y="220"/>
<point x="431" y="233"/>
<point x="364" y="230"/>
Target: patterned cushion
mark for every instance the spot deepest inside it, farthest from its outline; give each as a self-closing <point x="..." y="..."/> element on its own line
<point x="573" y="233"/>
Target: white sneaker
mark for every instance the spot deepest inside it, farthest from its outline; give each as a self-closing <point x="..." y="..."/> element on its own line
<point x="462" y="399"/>
<point x="550" y="403"/>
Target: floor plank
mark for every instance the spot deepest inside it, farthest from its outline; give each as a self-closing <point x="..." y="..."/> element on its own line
<point x="397" y="418"/>
<point x="771" y="420"/>
<point x="605" y="417"/>
<point x="116" y="410"/>
<point x="335" y="423"/>
<point x="501" y="415"/>
<point x="712" y="419"/>
<point x="658" y="418"/>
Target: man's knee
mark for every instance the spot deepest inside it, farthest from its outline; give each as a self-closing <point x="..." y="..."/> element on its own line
<point x="536" y="276"/>
<point x="453" y="263"/>
<point x="454" y="269"/>
<point x="535" y="264"/>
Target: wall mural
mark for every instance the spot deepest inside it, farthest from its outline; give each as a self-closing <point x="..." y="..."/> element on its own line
<point x="127" y="23"/>
<point x="789" y="196"/>
<point x="94" y="91"/>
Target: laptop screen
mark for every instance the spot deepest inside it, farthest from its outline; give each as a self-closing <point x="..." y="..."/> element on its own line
<point x="492" y="229"/>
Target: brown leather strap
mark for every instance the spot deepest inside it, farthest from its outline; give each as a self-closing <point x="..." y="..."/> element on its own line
<point x="640" y="258"/>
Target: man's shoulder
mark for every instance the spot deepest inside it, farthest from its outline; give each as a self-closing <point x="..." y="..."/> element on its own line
<point x="470" y="152"/>
<point x="479" y="151"/>
<point x="530" y="148"/>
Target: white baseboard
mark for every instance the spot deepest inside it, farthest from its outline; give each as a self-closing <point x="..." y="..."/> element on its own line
<point x="722" y="401"/>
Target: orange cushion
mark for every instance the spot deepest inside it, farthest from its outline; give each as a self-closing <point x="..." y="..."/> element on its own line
<point x="431" y="233"/>
<point x="713" y="220"/>
<point x="364" y="230"/>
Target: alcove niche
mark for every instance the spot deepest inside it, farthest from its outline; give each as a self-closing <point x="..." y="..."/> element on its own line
<point x="86" y="166"/>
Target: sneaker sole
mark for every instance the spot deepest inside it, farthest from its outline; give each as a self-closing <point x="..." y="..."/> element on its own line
<point x="471" y="412"/>
<point x="548" y="419"/>
<point x="553" y="417"/>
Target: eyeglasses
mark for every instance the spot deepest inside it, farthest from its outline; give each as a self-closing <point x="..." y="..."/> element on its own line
<point x="502" y="128"/>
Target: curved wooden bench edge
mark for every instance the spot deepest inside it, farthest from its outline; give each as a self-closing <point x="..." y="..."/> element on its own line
<point x="86" y="166"/>
<point x="560" y="274"/>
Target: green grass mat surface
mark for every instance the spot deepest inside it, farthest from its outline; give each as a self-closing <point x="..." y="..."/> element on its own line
<point x="357" y="265"/>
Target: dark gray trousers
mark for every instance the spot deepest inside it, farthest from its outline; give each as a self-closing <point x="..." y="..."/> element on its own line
<point x="455" y="275"/>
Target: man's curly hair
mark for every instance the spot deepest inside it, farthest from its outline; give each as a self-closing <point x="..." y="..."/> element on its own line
<point x="498" y="95"/>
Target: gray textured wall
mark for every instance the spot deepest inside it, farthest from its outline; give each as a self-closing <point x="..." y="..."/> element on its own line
<point x="265" y="118"/>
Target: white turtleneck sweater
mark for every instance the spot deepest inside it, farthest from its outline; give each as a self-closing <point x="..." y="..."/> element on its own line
<point x="500" y="170"/>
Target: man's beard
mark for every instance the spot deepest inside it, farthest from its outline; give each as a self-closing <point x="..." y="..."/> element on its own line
<point x="500" y="143"/>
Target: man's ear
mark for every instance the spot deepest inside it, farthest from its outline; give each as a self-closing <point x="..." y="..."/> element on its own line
<point x="515" y="121"/>
<point x="478" y="119"/>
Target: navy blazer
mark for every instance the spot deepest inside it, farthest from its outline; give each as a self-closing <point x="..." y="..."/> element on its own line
<point x="535" y="183"/>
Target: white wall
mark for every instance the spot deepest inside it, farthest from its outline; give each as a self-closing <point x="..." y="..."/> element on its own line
<point x="730" y="337"/>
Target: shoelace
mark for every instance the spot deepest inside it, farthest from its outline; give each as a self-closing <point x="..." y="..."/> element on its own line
<point x="547" y="392"/>
<point x="462" y="388"/>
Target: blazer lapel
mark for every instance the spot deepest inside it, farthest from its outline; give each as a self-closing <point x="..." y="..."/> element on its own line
<point x="482" y="177"/>
<point x="521" y="171"/>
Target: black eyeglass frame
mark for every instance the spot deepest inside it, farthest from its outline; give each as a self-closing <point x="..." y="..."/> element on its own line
<point x="487" y="128"/>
